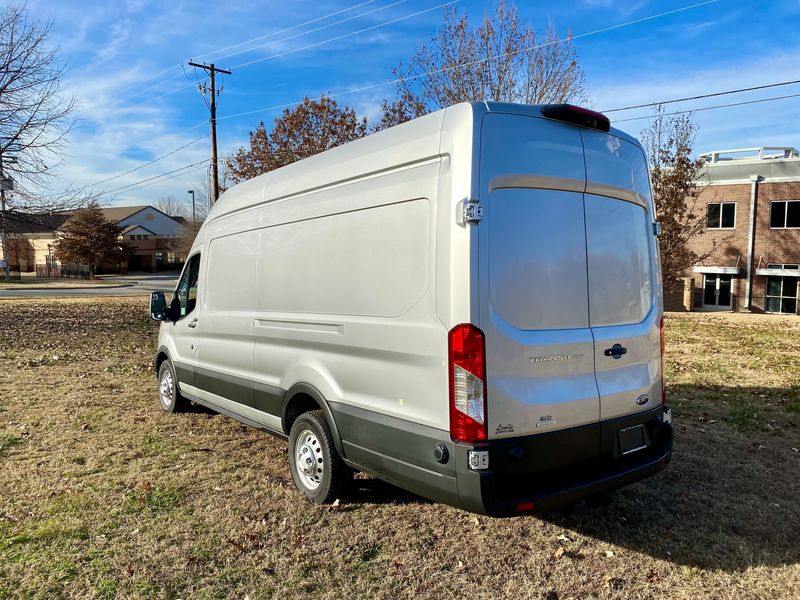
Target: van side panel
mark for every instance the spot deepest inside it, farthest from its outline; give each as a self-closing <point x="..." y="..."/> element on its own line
<point x="346" y="300"/>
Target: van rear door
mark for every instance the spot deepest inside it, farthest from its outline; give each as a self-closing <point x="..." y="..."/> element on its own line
<point x="533" y="287"/>
<point x="623" y="273"/>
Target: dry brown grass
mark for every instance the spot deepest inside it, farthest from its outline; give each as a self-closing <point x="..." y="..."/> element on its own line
<point x="102" y="495"/>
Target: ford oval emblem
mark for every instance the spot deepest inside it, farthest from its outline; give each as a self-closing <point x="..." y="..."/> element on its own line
<point x="643" y="399"/>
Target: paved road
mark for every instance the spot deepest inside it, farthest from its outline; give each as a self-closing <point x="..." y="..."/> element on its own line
<point x="135" y="284"/>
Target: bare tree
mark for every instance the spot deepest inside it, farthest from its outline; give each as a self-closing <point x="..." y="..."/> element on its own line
<point x="35" y="118"/>
<point x="674" y="175"/>
<point x="172" y="206"/>
<point x="500" y="59"/>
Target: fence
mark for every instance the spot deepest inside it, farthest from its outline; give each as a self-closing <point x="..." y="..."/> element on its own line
<point x="54" y="271"/>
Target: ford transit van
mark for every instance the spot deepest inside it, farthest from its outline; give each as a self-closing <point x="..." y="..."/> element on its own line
<point x="467" y="306"/>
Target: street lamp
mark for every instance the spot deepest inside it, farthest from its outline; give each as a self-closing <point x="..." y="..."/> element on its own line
<point x="194" y="217"/>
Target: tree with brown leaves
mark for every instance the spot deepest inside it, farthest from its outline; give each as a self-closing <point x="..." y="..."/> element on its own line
<point x="673" y="175"/>
<point x="501" y="59"/>
<point x="91" y="239"/>
<point x="311" y="127"/>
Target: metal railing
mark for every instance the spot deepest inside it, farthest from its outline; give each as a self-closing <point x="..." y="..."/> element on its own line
<point x="55" y="271"/>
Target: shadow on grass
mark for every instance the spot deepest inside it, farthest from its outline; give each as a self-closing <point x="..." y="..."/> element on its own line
<point x="727" y="501"/>
<point x="367" y="490"/>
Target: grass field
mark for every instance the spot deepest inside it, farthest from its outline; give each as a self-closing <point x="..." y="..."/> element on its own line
<point x="102" y="495"/>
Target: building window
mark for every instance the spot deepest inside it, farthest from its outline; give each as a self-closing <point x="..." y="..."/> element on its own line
<point x="784" y="213"/>
<point x="781" y="294"/>
<point x="721" y="215"/>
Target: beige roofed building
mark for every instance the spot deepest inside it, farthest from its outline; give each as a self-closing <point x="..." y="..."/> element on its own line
<point x="151" y="232"/>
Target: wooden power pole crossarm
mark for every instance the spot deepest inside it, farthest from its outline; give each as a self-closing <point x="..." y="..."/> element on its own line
<point x="212" y="71"/>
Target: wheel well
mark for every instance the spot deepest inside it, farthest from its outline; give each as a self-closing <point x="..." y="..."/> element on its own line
<point x="298" y="404"/>
<point x="162" y="356"/>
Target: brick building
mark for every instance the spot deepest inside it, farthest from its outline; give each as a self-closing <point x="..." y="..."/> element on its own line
<point x="751" y="202"/>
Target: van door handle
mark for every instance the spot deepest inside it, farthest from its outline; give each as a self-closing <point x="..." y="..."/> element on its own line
<point x="193" y="323"/>
<point x="617" y="350"/>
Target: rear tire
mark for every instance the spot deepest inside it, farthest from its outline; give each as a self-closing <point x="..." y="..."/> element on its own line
<point x="169" y="395"/>
<point x="317" y="469"/>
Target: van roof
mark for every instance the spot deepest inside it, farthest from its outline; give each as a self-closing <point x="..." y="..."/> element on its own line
<point x="407" y="143"/>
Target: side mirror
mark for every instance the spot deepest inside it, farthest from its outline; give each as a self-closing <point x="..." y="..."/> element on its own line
<point x="158" y="306"/>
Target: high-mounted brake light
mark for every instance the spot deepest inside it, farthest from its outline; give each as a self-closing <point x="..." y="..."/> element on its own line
<point x="577" y="115"/>
<point x="663" y="379"/>
<point x="467" y="369"/>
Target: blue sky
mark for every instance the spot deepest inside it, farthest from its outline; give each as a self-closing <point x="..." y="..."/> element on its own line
<point x="137" y="103"/>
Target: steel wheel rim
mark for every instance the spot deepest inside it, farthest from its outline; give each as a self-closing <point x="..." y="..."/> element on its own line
<point x="166" y="388"/>
<point x="308" y="459"/>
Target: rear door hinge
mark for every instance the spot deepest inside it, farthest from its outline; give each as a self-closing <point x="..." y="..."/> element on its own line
<point x="472" y="212"/>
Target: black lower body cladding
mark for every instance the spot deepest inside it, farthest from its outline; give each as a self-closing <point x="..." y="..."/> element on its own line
<point x="537" y="472"/>
<point x="547" y="471"/>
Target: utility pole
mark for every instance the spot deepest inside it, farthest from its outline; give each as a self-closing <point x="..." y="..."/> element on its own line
<point x="212" y="70"/>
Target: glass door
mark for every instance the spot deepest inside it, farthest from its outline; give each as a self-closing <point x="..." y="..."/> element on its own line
<point x="717" y="292"/>
<point x="781" y="295"/>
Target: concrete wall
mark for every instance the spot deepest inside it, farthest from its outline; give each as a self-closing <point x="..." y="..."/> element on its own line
<point x="29" y="251"/>
<point x="679" y="297"/>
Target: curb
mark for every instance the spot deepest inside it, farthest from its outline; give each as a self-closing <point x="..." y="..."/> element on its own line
<point x="87" y="287"/>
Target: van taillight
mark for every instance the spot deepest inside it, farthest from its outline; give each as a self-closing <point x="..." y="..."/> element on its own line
<point x="663" y="379"/>
<point x="577" y="115"/>
<point x="467" y="369"/>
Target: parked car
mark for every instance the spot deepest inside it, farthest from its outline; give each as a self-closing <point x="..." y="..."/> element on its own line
<point x="468" y="306"/>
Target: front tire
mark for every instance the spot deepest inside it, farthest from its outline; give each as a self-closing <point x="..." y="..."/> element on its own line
<point x="317" y="470"/>
<point x="169" y="396"/>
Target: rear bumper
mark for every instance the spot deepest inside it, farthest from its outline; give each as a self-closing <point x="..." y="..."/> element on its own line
<point x="530" y="473"/>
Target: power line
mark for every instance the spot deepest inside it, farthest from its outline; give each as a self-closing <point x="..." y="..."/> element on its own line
<point x="143" y="165"/>
<point x="159" y="74"/>
<point x="681" y="112"/>
<point x="293" y="27"/>
<point x="474" y="62"/>
<point x="462" y="65"/>
<point x="137" y="183"/>
<point x="736" y="91"/>
<point x="144" y="91"/>
<point x="287" y="52"/>
<point x="346" y="35"/>
<point x="320" y="28"/>
<point x="205" y="54"/>
<point x="163" y="179"/>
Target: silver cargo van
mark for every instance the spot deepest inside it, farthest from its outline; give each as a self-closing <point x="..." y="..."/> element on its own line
<point x="467" y="305"/>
